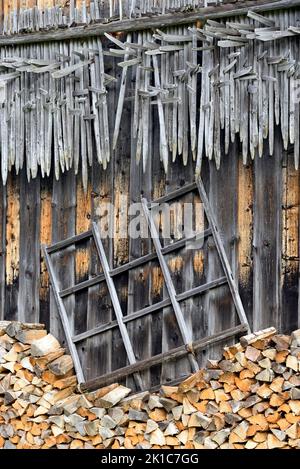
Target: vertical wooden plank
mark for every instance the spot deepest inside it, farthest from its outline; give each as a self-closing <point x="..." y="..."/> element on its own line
<point x="2" y="249"/>
<point x="121" y="163"/>
<point x="99" y="311"/>
<point x="63" y="226"/>
<point x="99" y="348"/>
<point x="139" y="279"/>
<point x="29" y="273"/>
<point x="290" y="243"/>
<point x="82" y="263"/>
<point x="45" y="237"/>
<point x="156" y="287"/>
<point x="219" y="308"/>
<point x="267" y="238"/>
<point x="178" y="175"/>
<point x="245" y="236"/>
<point x="12" y="247"/>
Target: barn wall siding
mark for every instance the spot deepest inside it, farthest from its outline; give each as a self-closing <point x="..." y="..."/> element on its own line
<point x="256" y="206"/>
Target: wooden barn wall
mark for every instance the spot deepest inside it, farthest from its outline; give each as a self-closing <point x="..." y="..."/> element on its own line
<point x="257" y="208"/>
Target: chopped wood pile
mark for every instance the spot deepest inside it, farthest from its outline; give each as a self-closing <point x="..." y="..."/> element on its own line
<point x="249" y="399"/>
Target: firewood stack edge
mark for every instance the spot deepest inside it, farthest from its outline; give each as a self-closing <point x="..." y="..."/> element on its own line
<point x="250" y="399"/>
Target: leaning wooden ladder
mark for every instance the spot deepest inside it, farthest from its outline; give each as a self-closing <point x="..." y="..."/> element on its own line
<point x="174" y="299"/>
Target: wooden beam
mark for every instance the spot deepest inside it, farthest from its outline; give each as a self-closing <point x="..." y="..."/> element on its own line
<point x="68" y="242"/>
<point x="148" y="22"/>
<point x="179" y="352"/>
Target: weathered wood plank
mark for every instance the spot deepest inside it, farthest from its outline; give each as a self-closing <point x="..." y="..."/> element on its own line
<point x="143" y="23"/>
<point x="2" y="249"/>
<point x="220" y="309"/>
<point x="45" y="239"/>
<point x="267" y="238"/>
<point x="245" y="236"/>
<point x="63" y="226"/>
<point x="29" y="273"/>
<point x="12" y="247"/>
<point x="290" y="243"/>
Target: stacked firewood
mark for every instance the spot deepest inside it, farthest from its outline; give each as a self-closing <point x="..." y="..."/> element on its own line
<point x="249" y="399"/>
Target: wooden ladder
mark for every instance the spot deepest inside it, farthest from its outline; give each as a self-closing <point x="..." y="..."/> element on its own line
<point x="173" y="300"/>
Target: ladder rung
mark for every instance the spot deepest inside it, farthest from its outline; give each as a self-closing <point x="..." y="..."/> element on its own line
<point x="68" y="242"/>
<point x="151" y="309"/>
<point x="201" y="288"/>
<point x="181" y="351"/>
<point x="174" y="194"/>
<point x="82" y="286"/>
<point x="181" y="242"/>
<point x="149" y="257"/>
<point x="95" y="331"/>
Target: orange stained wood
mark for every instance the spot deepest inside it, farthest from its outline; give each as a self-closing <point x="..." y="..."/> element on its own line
<point x="45" y="236"/>
<point x="83" y="216"/>
<point x="175" y="264"/>
<point x="121" y="241"/>
<point x="245" y="221"/>
<point x="198" y="259"/>
<point x="290" y="219"/>
<point x="157" y="281"/>
<point x="12" y="230"/>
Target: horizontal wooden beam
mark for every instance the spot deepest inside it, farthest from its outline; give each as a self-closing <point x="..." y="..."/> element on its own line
<point x="68" y="242"/>
<point x="174" y="354"/>
<point x="149" y="22"/>
<point x="200" y="290"/>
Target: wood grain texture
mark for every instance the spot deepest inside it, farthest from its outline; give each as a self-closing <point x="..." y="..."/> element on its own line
<point x="29" y="270"/>
<point x="12" y="258"/>
<point x="143" y="23"/>
<point x="267" y="238"/>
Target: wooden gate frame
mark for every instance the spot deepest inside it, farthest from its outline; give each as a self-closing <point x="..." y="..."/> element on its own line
<point x="190" y="347"/>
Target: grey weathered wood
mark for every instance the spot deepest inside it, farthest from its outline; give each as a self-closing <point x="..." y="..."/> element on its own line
<point x="29" y="278"/>
<point x="115" y="300"/>
<point x="166" y="356"/>
<point x="169" y="284"/>
<point x="223" y="257"/>
<point x="185" y="189"/>
<point x="267" y="239"/>
<point x="3" y="206"/>
<point x="64" y="317"/>
<point x="69" y="241"/>
<point x="143" y="23"/>
<point x="151" y="309"/>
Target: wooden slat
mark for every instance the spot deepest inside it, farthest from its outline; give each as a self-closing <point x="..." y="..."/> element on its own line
<point x="201" y="289"/>
<point x="151" y="309"/>
<point x="68" y="242"/>
<point x="167" y="356"/>
<point x="175" y="194"/>
<point x="82" y="286"/>
<point x="12" y="258"/>
<point x="115" y="300"/>
<point x="153" y="22"/>
<point x="2" y="249"/>
<point x="63" y="226"/>
<point x="29" y="276"/>
<point x="267" y="238"/>
<point x="169" y="284"/>
<point x="64" y="317"/>
<point x="223" y="256"/>
<point x="290" y="243"/>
